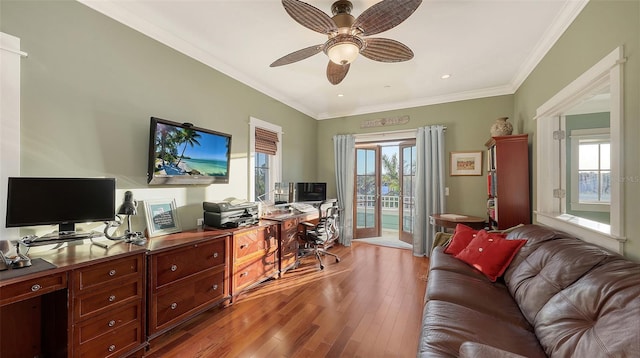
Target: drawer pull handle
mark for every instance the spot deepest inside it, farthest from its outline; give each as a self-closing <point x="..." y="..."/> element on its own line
<point x="243" y="246"/>
<point x="215" y="255"/>
<point x="112" y="273"/>
<point x="174" y="306"/>
<point x="112" y="323"/>
<point x="174" y="268"/>
<point x="244" y="274"/>
<point x="112" y="348"/>
<point x="112" y="298"/>
<point x="215" y="287"/>
<point x="35" y="287"/>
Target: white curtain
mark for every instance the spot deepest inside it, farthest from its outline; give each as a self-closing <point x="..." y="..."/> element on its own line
<point x="430" y="174"/>
<point x="344" y="147"/>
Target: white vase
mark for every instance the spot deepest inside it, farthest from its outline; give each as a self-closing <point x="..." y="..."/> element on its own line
<point x="501" y="127"/>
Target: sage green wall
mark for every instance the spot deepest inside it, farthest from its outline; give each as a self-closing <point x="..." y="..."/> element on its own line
<point x="467" y="123"/>
<point x="599" y="29"/>
<point x="90" y="84"/>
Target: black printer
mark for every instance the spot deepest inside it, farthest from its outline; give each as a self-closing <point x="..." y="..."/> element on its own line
<point x="224" y="214"/>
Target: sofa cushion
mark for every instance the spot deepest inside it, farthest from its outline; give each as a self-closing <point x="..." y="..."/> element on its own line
<point x="476" y="292"/>
<point x="596" y="316"/>
<point x="477" y="350"/>
<point x="490" y="253"/>
<point x="536" y="235"/>
<point x="462" y="236"/>
<point x="551" y="268"/>
<point x="441" y="261"/>
<point x="446" y="325"/>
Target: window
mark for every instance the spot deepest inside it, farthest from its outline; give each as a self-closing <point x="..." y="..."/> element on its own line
<point x="262" y="175"/>
<point x="591" y="172"/>
<point x="603" y="80"/>
<point x="265" y="157"/>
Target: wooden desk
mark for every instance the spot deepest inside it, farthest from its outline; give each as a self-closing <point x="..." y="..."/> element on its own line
<point x="288" y="236"/>
<point x="451" y="222"/>
<point x="91" y="304"/>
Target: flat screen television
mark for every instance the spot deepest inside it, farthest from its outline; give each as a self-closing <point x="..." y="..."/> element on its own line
<point x="184" y="154"/>
<point x="33" y="201"/>
<point x="311" y="192"/>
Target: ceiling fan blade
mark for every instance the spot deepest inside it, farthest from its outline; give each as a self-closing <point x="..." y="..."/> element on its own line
<point x="386" y="50"/>
<point x="309" y="16"/>
<point x="297" y="56"/>
<point x="336" y="73"/>
<point x="385" y="15"/>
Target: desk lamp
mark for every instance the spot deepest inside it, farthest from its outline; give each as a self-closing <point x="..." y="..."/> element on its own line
<point x="128" y="208"/>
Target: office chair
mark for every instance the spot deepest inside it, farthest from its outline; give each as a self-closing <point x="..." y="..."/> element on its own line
<point x="319" y="237"/>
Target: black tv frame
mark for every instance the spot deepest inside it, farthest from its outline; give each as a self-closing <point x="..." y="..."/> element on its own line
<point x="183" y="179"/>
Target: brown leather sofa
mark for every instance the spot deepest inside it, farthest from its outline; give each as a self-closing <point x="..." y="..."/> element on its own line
<point x="559" y="297"/>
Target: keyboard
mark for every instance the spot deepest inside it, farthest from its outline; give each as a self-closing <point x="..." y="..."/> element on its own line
<point x="305" y="208"/>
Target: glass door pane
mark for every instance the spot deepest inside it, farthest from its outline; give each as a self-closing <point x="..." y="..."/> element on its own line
<point x="407" y="178"/>
<point x="367" y="205"/>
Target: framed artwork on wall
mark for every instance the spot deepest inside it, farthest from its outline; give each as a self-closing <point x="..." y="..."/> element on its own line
<point x="161" y="217"/>
<point x="465" y="163"/>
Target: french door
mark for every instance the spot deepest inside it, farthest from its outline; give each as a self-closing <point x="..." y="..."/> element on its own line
<point x="407" y="177"/>
<point x="384" y="198"/>
<point x="367" y="188"/>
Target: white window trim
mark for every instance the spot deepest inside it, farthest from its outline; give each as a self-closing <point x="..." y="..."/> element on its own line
<point x="576" y="136"/>
<point x="10" y="57"/>
<point x="275" y="164"/>
<point x="548" y="211"/>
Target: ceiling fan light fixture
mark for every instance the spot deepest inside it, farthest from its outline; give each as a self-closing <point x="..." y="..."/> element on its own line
<point x="343" y="53"/>
<point x="343" y="49"/>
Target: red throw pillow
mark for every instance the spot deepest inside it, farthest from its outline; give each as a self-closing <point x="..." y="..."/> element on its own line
<point x="462" y="236"/>
<point x="490" y="253"/>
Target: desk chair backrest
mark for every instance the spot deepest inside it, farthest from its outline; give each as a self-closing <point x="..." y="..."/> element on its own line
<point x="327" y="228"/>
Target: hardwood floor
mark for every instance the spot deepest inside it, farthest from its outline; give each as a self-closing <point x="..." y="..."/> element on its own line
<point x="367" y="305"/>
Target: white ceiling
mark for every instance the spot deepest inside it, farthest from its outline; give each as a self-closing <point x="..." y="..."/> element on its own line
<point x="488" y="47"/>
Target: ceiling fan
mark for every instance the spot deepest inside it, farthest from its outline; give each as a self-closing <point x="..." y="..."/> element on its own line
<point x="347" y="34"/>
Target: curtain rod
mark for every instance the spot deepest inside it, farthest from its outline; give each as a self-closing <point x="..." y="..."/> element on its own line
<point x="401" y="131"/>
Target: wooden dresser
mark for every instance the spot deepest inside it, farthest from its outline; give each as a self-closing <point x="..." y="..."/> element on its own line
<point x="255" y="256"/>
<point x="108" y="307"/>
<point x="113" y="302"/>
<point x="90" y="305"/>
<point x="188" y="273"/>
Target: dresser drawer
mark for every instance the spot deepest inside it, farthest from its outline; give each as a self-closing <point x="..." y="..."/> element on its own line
<point x="259" y="240"/>
<point x="107" y="272"/>
<point x="31" y="288"/>
<point x="248" y="273"/>
<point x="108" y="322"/>
<point x="174" y="265"/>
<point x="291" y="224"/>
<point x="113" y="343"/>
<point x="108" y="299"/>
<point x="179" y="300"/>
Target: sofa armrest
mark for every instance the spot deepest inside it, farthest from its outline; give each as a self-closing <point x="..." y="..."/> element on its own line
<point x="478" y="350"/>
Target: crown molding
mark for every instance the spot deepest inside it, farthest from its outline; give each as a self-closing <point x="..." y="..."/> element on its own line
<point x="563" y="20"/>
<point x="425" y="101"/>
<point x="113" y="10"/>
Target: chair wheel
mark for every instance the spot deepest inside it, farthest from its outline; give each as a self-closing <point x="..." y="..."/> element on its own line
<point x="337" y="259"/>
<point x="321" y="267"/>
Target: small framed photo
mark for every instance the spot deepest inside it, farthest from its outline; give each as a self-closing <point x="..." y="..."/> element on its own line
<point x="466" y="163"/>
<point x="161" y="217"/>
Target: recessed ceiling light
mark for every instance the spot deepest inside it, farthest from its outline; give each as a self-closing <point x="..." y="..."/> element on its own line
<point x="340" y="95"/>
<point x="445" y="76"/>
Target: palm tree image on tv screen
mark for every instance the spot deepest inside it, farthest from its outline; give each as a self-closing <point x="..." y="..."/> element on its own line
<point x="185" y="151"/>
